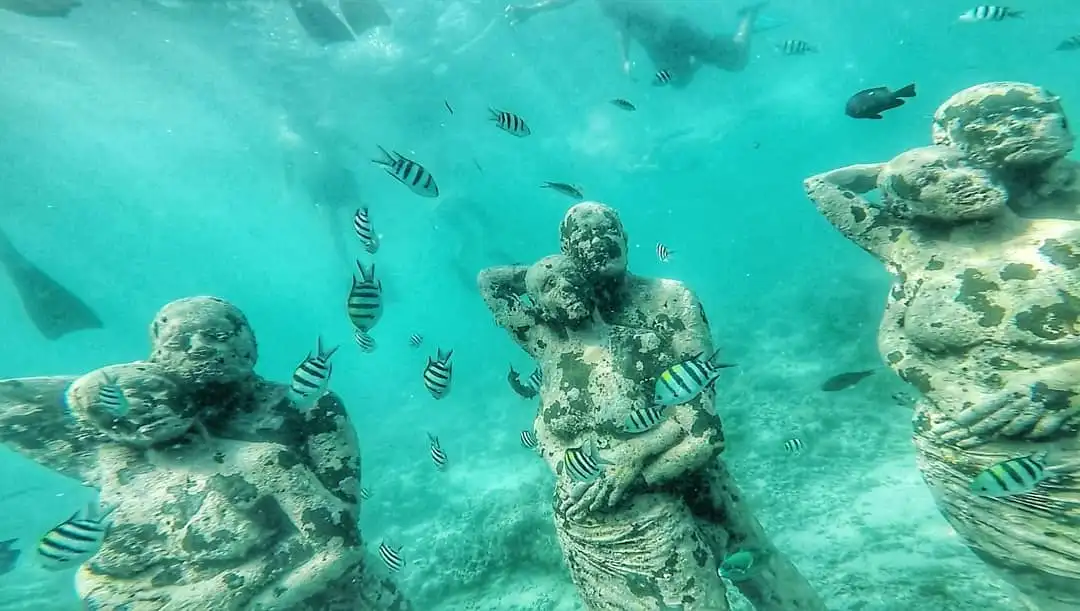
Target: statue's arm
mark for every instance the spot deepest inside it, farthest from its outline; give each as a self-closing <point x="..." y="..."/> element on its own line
<point x="333" y="449"/>
<point x="501" y="288"/>
<point x="838" y="195"/>
<point x="35" y="422"/>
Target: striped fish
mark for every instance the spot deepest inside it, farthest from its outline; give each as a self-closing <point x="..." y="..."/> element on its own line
<point x="364" y="230"/>
<point x="1071" y="43"/>
<point x="644" y="419"/>
<point x="364" y="305"/>
<point x="536" y="379"/>
<point x="365" y="341"/>
<point x="365" y="493"/>
<point x="528" y="440"/>
<point x="312" y="375"/>
<point x="584" y="463"/>
<point x="663" y="77"/>
<point x="111" y="399"/>
<point x="409" y="173"/>
<point x="510" y="123"/>
<point x="391" y="557"/>
<point x="990" y="13"/>
<point x="1011" y="477"/>
<point x="624" y="104"/>
<point x="438" y="373"/>
<point x="75" y="540"/>
<point x="663" y="252"/>
<point x="794" y="445"/>
<point x="415" y="340"/>
<point x="683" y="381"/>
<point x="437" y="455"/>
<point x="796" y="47"/>
<point x="566" y="189"/>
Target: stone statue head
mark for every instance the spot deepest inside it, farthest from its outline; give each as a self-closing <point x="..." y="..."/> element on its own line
<point x="560" y="290"/>
<point x="592" y="235"/>
<point x="203" y="341"/>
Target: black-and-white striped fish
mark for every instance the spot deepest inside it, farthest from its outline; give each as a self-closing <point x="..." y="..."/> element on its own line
<point x="644" y="419"/>
<point x="510" y="123"/>
<point x="415" y="340"/>
<point x="794" y="445"/>
<point x="437" y="455"/>
<point x="391" y="557"/>
<point x="364" y="305"/>
<point x="584" y="463"/>
<point x="528" y="440"/>
<point x="312" y="376"/>
<point x="111" y="398"/>
<point x="663" y="252"/>
<point x="365" y="341"/>
<point x="438" y="373"/>
<point x="624" y="104"/>
<point x="683" y="381"/>
<point x="1012" y="477"/>
<point x="410" y="173"/>
<point x="365" y="493"/>
<point x="536" y="379"/>
<point x="566" y="189"/>
<point x="75" y="540"/>
<point x="365" y="231"/>
<point x="663" y="77"/>
<point x="1071" y="43"/>
<point x="988" y="12"/>
<point x="796" y="47"/>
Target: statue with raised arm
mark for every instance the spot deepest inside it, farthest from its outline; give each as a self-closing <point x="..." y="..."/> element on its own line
<point x="982" y="233"/>
<point x="226" y="497"/>
<point x="650" y="532"/>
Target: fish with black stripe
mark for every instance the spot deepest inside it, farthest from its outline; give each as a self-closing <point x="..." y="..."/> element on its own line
<point x="510" y="123"/>
<point x="794" y="446"/>
<point x="663" y="77"/>
<point x="391" y="557"/>
<point x="584" y="463"/>
<point x="1015" y="476"/>
<point x="438" y="456"/>
<point x="415" y="340"/>
<point x="796" y="47"/>
<point x="409" y="173"/>
<point x="111" y="398"/>
<point x="312" y="376"/>
<point x="528" y="439"/>
<point x="364" y="305"/>
<point x="365" y="231"/>
<point x="626" y="105"/>
<point x="988" y="12"/>
<point x="365" y="494"/>
<point x="438" y="374"/>
<point x="365" y="341"/>
<point x="663" y="253"/>
<point x="643" y="419"/>
<point x="75" y="540"/>
<point x="683" y="381"/>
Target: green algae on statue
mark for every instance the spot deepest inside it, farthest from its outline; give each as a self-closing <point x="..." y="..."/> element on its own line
<point x="982" y="233"/>
<point x="650" y="532"/>
<point x="226" y="497"/>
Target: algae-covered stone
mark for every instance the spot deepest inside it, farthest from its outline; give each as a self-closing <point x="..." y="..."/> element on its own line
<point x="936" y="183"/>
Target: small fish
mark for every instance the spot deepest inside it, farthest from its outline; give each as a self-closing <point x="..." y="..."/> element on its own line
<point x="644" y="419"/>
<point x="566" y="189"/>
<point x="841" y="381"/>
<point x="584" y="463"/>
<point x="528" y="440"/>
<point x="523" y="389"/>
<point x="312" y="376"/>
<point x="447" y="105"/>
<point x="364" y="305"/>
<point x="75" y="540"/>
<point x="1011" y="477"/>
<point x="365" y="341"/>
<point x="437" y="455"/>
<point x="740" y="565"/>
<point x="510" y="123"/>
<point x="415" y="340"/>
<point x="409" y="173"/>
<point x="623" y="104"/>
<point x="438" y="373"/>
<point x="391" y="557"/>
<point x="1071" y="43"/>
<point x="794" y="445"/>
<point x="989" y="13"/>
<point x="663" y="77"/>
<point x="663" y="252"/>
<point x="477" y="164"/>
<point x="9" y="556"/>
<point x="683" y="381"/>
<point x="870" y="103"/>
<point x="111" y="398"/>
<point x="796" y="47"/>
<point x="536" y="379"/>
<point x="364" y="230"/>
<point x="365" y="493"/>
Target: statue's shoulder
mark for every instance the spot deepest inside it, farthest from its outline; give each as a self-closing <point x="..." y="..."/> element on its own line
<point x="662" y="294"/>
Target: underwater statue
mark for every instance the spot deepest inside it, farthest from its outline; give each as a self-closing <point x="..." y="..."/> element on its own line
<point x="226" y="497"/>
<point x="651" y="531"/>
<point x="982" y="233"/>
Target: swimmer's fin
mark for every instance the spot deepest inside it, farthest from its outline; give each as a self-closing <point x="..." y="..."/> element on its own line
<point x="320" y="23"/>
<point x="362" y="15"/>
<point x="54" y="310"/>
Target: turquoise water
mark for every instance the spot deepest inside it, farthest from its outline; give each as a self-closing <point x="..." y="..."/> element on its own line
<point x="143" y="158"/>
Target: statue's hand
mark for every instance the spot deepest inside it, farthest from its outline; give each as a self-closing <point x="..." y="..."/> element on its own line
<point x="860" y="178"/>
<point x="1031" y="411"/>
<point x="602" y="493"/>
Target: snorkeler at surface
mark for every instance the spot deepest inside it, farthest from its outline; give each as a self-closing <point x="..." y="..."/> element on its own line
<point x="674" y="44"/>
<point x="40" y="8"/>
